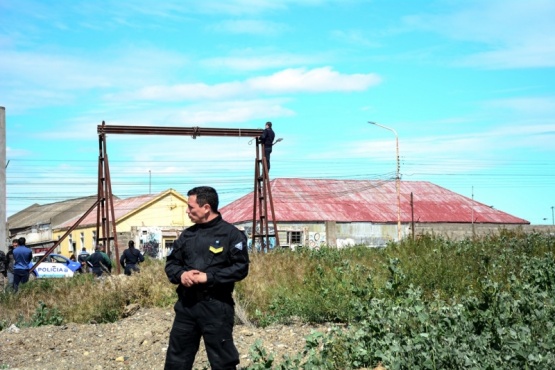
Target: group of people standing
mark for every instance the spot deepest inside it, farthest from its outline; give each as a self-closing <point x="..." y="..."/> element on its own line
<point x="99" y="262"/>
<point x="14" y="265"/>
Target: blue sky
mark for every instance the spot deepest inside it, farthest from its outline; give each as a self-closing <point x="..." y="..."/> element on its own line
<point x="469" y="86"/>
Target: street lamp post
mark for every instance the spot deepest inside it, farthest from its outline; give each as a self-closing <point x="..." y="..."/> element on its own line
<point x="397" y="179"/>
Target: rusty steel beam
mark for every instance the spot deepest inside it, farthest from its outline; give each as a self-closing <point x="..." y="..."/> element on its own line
<point x="194" y="132"/>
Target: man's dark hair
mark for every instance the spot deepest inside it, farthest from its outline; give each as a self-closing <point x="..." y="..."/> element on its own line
<point x="205" y="195"/>
<point x="269" y="124"/>
<point x="21" y="241"/>
<point x="14" y="241"/>
<point x="131" y="244"/>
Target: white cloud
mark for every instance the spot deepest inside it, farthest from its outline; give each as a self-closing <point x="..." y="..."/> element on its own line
<point x="517" y="34"/>
<point x="208" y="114"/>
<point x="261" y="59"/>
<point x="323" y="79"/>
<point x="69" y="72"/>
<point x="296" y="80"/>
<point x="526" y="105"/>
<point x="355" y="37"/>
<point x="38" y="79"/>
<point x="250" y="27"/>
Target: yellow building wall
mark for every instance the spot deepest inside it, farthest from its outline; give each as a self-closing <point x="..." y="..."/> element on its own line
<point x="170" y="210"/>
<point x="82" y="237"/>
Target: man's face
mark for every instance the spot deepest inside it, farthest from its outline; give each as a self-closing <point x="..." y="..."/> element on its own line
<point x="14" y="244"/>
<point x="197" y="214"/>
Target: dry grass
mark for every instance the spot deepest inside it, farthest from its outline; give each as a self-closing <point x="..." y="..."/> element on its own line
<point x="268" y="272"/>
<point x="84" y="298"/>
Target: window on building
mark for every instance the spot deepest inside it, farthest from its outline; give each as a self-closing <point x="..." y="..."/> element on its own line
<point x="94" y="239"/>
<point x="295" y="237"/>
<point x="82" y="240"/>
<point x="70" y="242"/>
<point x="168" y="244"/>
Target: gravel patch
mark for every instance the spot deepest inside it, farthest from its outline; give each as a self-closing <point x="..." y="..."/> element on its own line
<point x="139" y="341"/>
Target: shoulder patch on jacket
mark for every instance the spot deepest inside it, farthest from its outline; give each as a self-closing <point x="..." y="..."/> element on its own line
<point x="239" y="246"/>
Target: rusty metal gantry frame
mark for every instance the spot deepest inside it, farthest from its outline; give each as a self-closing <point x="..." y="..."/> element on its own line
<point x="104" y="203"/>
<point x="262" y="189"/>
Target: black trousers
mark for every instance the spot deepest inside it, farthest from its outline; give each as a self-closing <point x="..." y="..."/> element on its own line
<point x="19" y="277"/>
<point x="130" y="267"/>
<point x="267" y="152"/>
<point x="210" y="319"/>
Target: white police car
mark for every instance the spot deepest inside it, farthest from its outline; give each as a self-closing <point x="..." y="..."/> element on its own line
<point x="54" y="266"/>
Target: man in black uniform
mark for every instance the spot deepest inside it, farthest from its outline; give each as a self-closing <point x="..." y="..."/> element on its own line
<point x="267" y="139"/>
<point x="99" y="262"/>
<point x="130" y="259"/>
<point x="206" y="261"/>
<point x="82" y="258"/>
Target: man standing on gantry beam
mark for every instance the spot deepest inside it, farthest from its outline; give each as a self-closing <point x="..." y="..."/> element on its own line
<point x="267" y="139"/>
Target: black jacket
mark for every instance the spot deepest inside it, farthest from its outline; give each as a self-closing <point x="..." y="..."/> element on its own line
<point x="3" y="261"/>
<point x="267" y="137"/>
<point x="10" y="261"/>
<point x="131" y="256"/>
<point x="99" y="259"/>
<point x="82" y="257"/>
<point x="217" y="248"/>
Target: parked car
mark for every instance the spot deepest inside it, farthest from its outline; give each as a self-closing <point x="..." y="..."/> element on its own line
<point x="54" y="266"/>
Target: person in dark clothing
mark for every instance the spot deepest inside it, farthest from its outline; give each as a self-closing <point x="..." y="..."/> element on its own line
<point x="3" y="264"/>
<point x="82" y="258"/>
<point x="3" y="271"/>
<point x="206" y="261"/>
<point x="267" y="138"/>
<point x="131" y="258"/>
<point x="10" y="262"/>
<point x="22" y="257"/>
<point x="99" y="262"/>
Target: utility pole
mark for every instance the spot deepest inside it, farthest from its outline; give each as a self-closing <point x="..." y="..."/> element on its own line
<point x="397" y="177"/>
<point x="3" y="239"/>
<point x="412" y="214"/>
<point x="472" y="215"/>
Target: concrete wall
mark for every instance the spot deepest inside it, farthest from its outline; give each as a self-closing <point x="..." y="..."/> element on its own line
<point x="378" y="235"/>
<point x="461" y="231"/>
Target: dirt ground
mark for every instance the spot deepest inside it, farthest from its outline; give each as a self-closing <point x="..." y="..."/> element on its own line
<point x="136" y="342"/>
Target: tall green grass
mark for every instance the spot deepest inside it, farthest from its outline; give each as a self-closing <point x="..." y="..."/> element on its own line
<point x="484" y="304"/>
<point x="310" y="285"/>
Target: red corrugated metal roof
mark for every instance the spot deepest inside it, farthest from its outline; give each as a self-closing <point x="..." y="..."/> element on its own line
<point x="310" y="200"/>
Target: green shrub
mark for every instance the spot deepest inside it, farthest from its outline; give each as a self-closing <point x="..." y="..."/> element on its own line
<point x="46" y="316"/>
<point x="431" y="303"/>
